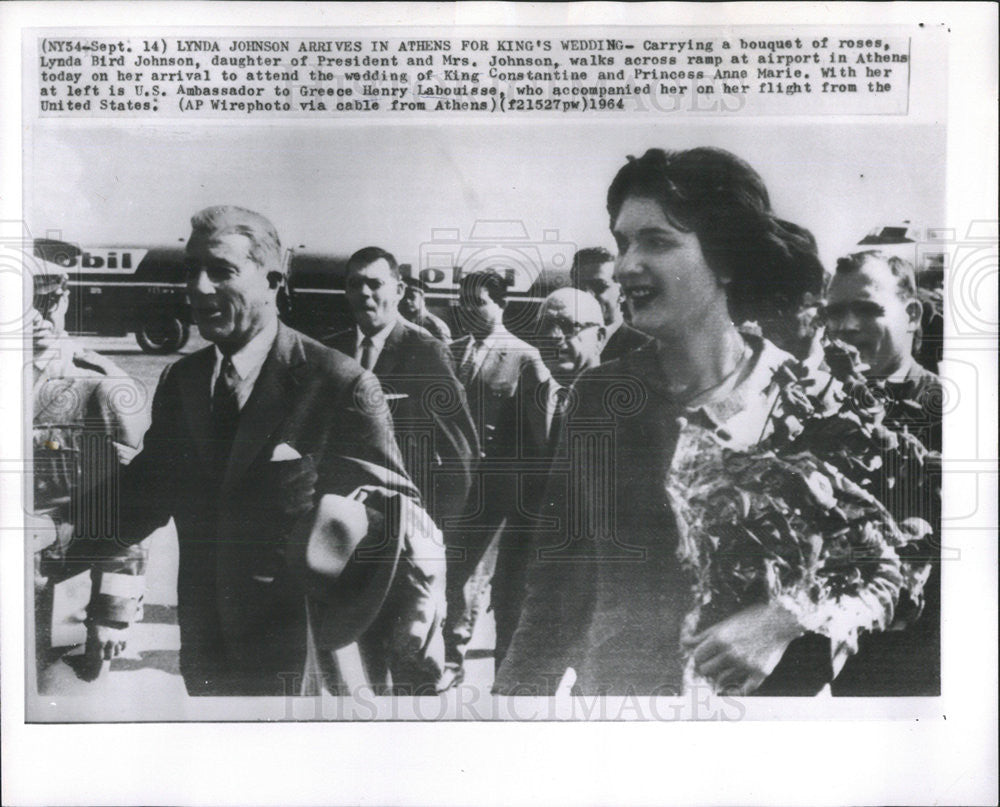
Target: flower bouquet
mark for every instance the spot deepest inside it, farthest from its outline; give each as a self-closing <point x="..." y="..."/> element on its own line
<point x="804" y="517"/>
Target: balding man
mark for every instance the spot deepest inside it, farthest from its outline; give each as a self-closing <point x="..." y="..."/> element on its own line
<point x="571" y="335"/>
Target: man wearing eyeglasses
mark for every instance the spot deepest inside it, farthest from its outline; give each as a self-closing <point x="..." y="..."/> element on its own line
<point x="571" y="336"/>
<point x="572" y="329"/>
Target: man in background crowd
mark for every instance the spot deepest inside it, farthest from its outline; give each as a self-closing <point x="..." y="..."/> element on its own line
<point x="87" y="416"/>
<point x="593" y="271"/>
<point x="570" y="337"/>
<point x="873" y="305"/>
<point x="419" y="381"/>
<point x="493" y="366"/>
<point x="413" y="306"/>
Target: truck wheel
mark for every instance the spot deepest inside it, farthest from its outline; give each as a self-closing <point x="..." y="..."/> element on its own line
<point x="163" y="335"/>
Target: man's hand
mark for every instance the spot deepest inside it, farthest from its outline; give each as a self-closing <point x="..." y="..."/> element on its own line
<point x="741" y="651"/>
<point x="292" y="485"/>
<point x="42" y="530"/>
<point x="104" y="642"/>
<point x="126" y="453"/>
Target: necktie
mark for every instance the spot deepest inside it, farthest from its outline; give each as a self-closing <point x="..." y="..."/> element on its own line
<point x="468" y="369"/>
<point x="561" y="405"/>
<point x="367" y="353"/>
<point x="225" y="411"/>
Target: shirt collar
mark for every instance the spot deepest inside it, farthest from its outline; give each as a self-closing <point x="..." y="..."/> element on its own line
<point x="54" y="353"/>
<point x="250" y="358"/>
<point x="492" y="339"/>
<point x="378" y="338"/>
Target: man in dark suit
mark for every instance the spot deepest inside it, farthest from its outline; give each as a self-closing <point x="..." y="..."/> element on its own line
<point x="593" y="271"/>
<point x="432" y="423"/>
<point x="250" y="439"/>
<point x="494" y="366"/>
<point x="571" y="336"/>
<point x="491" y="362"/>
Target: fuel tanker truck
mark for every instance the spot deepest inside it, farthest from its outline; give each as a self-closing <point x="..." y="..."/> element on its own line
<point x="140" y="288"/>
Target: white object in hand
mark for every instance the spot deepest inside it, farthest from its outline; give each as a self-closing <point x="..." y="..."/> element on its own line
<point x="284" y="452"/>
<point x="341" y="524"/>
<point x="565" y="688"/>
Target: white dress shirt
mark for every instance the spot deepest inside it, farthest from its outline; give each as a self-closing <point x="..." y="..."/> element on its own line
<point x="247" y="361"/>
<point x="378" y="342"/>
<point x="555" y="401"/>
<point x="475" y="353"/>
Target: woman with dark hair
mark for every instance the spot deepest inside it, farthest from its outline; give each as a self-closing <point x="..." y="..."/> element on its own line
<point x="769" y="265"/>
<point x="648" y="576"/>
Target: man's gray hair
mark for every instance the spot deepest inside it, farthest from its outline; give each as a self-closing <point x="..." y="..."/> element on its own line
<point x="265" y="246"/>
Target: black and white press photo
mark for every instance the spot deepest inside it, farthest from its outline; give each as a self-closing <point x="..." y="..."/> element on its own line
<point x="552" y="397"/>
<point x="616" y="410"/>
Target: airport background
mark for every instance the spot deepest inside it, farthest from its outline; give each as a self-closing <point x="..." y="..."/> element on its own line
<point x="422" y="193"/>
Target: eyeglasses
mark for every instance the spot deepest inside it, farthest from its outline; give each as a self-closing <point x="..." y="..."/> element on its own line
<point x="567" y="327"/>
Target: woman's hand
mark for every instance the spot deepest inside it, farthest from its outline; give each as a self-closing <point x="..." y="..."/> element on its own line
<point x="741" y="651"/>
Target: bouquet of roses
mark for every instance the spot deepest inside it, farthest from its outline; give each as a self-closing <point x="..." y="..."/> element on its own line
<point x="810" y="516"/>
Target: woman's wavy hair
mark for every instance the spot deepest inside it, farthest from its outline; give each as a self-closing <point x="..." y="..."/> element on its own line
<point x="769" y="265"/>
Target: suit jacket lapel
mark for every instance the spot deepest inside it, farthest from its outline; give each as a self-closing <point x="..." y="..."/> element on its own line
<point x="489" y="367"/>
<point x="267" y="406"/>
<point x="344" y="341"/>
<point x="391" y="353"/>
<point x="458" y="348"/>
<point x="197" y="402"/>
<point x="544" y="416"/>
